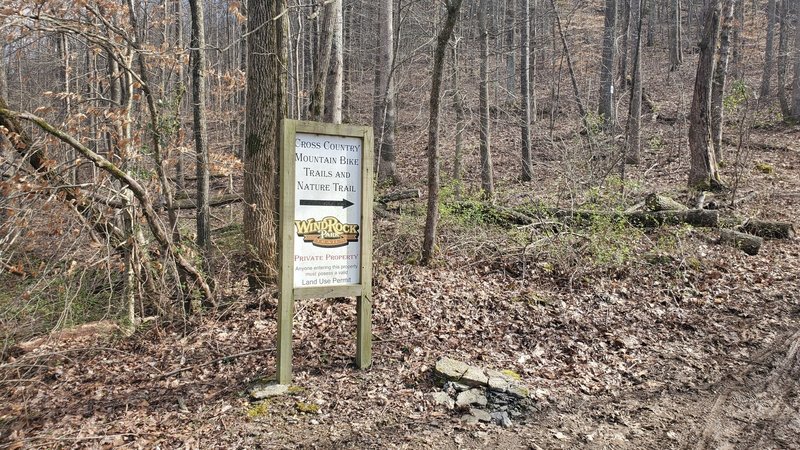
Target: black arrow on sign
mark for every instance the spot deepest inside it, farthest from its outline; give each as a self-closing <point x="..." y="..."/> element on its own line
<point x="344" y="203"/>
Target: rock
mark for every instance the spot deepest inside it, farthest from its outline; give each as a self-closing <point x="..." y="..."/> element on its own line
<point x="442" y="398"/>
<point x="474" y="376"/>
<point x="450" y="369"/>
<point x="481" y="415"/>
<point x="499" y="384"/>
<point x="452" y="386"/>
<point x="461" y="372"/>
<point x="518" y="390"/>
<point x="271" y="389"/>
<point x="469" y="419"/>
<point x="471" y="397"/>
<point x="501" y="418"/>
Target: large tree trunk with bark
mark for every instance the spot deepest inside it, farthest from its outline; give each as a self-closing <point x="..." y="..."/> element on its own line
<point x="333" y="93"/>
<point x="432" y="217"/>
<point x="266" y="107"/>
<point x="317" y="104"/>
<point x="203" y="218"/>
<point x="783" y="45"/>
<point x="703" y="174"/>
<point x="605" y="106"/>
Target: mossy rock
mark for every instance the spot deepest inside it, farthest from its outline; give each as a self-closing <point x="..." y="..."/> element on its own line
<point x="511" y="374"/>
<point x="307" y="408"/>
<point x="258" y="409"/>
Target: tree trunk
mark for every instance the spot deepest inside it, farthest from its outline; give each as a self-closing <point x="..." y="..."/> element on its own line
<point x="333" y="109"/>
<point x="487" y="176"/>
<point x="675" y="34"/>
<point x="703" y="174"/>
<point x="385" y="102"/>
<point x="625" y="24"/>
<point x="511" y="70"/>
<point x="576" y="91"/>
<point x="458" y="105"/>
<point x="198" y="65"/>
<point x="179" y="167"/>
<point x="783" y="45"/>
<point x="317" y="105"/>
<point x="720" y="75"/>
<point x="525" y="90"/>
<point x="605" y="107"/>
<point x="266" y="107"/>
<point x="634" y="133"/>
<point x="796" y="83"/>
<point x="432" y="218"/>
<point x="767" y="73"/>
<point x="737" y="40"/>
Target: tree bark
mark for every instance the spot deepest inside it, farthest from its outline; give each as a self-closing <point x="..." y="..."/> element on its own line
<point x="703" y="174"/>
<point x="458" y="105"/>
<point x="720" y="76"/>
<point x="487" y="175"/>
<point x="767" y="73"/>
<point x="385" y="102"/>
<point x="605" y="107"/>
<point x="266" y="107"/>
<point x="511" y="70"/>
<point x="432" y="216"/>
<point x="745" y="242"/>
<point x="333" y="101"/>
<point x="796" y="83"/>
<point x="525" y="90"/>
<point x="317" y="105"/>
<point x="634" y="133"/>
<point x="203" y="219"/>
<point x="783" y="40"/>
<point x="675" y="35"/>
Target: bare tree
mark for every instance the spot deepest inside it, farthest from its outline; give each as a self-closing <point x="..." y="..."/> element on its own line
<point x="703" y="171"/>
<point x="333" y="100"/>
<point x="605" y="107"/>
<point x="487" y="177"/>
<point x="768" y="50"/>
<point x="384" y="103"/>
<point x="525" y="90"/>
<point x="198" y="44"/>
<point x="675" y="34"/>
<point x="634" y="132"/>
<point x="432" y="217"/>
<point x="720" y="77"/>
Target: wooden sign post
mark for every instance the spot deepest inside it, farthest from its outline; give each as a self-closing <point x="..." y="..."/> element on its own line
<point x="326" y="226"/>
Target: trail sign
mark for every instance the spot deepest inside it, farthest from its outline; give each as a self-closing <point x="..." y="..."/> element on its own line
<point x="326" y="226"/>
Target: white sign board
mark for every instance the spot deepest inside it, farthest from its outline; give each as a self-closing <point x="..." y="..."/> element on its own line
<point x="327" y="210"/>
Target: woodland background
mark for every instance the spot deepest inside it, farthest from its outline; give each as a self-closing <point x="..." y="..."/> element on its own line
<point x="516" y="143"/>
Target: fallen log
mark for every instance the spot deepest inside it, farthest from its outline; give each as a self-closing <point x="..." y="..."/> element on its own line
<point x="694" y="217"/>
<point x="398" y="195"/>
<point x="656" y="202"/>
<point x="769" y="230"/>
<point x="745" y="242"/>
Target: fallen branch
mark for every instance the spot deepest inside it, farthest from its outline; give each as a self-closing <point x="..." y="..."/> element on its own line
<point x="222" y="200"/>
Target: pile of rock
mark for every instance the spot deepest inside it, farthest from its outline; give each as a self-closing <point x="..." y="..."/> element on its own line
<point x="484" y="395"/>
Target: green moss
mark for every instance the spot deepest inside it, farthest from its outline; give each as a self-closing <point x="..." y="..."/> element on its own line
<point x="511" y="374"/>
<point x="765" y="168"/>
<point x="258" y="409"/>
<point x="294" y="389"/>
<point x="307" y="408"/>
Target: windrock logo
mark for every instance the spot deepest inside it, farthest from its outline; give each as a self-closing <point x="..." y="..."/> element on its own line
<point x="328" y="232"/>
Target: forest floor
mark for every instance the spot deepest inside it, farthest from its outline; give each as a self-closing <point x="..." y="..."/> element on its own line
<point x="672" y="341"/>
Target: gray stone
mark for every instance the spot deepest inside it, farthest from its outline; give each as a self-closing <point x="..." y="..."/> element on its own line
<point x="451" y="369"/>
<point x="474" y="376"/>
<point x="471" y="397"/>
<point x="498" y="384"/>
<point x="518" y="390"/>
<point x="482" y="415"/>
<point x="272" y="389"/>
<point x="442" y="398"/>
<point x="501" y="418"/>
<point x="469" y="419"/>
